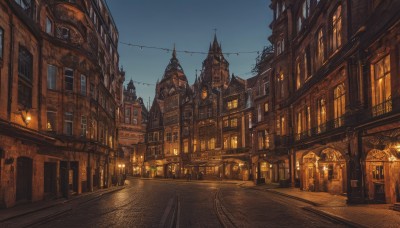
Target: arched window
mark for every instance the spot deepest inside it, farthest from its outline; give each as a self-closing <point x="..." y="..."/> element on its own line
<point x="337" y="28"/>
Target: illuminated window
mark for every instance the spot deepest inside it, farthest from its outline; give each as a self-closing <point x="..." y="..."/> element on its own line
<point x="234" y="142"/>
<point x="339" y="103"/>
<point x="51" y="121"/>
<point x="226" y="142"/>
<point x="381" y="86"/>
<point x="298" y="75"/>
<point x="321" y="115"/>
<point x="202" y="145"/>
<point x="175" y="151"/>
<point x="233" y="104"/>
<point x="204" y="93"/>
<point x="378" y="172"/>
<point x="266" y="108"/>
<point x="186" y="147"/>
<point x="299" y="128"/>
<point x="337" y="29"/>
<point x="211" y="144"/>
<point x="266" y="138"/>
<point x="281" y="85"/>
<point x="260" y="140"/>
<point x="226" y="122"/>
<point x="234" y="122"/>
<point x="320" y="47"/>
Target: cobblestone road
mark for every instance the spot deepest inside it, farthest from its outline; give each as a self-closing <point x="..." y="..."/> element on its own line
<point x="153" y="203"/>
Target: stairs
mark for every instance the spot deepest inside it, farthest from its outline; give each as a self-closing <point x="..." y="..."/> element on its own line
<point x="396" y="207"/>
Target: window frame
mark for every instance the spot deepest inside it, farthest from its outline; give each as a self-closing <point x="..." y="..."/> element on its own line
<point x="68" y="121"/>
<point x="25" y="77"/>
<point x="71" y="78"/>
<point x="52" y="79"/>
<point x="83" y="85"/>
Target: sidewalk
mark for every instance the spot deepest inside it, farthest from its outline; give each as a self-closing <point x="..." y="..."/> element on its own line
<point x="336" y="208"/>
<point x="42" y="210"/>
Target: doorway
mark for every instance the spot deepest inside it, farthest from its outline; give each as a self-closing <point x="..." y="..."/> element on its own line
<point x="24" y="179"/>
<point x="50" y="179"/>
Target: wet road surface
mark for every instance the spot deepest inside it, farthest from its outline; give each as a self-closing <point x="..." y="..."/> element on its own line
<point x="155" y="203"/>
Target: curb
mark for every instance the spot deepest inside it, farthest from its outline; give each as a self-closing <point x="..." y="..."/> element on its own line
<point x="333" y="217"/>
<point x="293" y="197"/>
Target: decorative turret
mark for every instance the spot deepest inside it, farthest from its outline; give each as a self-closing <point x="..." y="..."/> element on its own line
<point x="215" y="67"/>
<point x="173" y="67"/>
<point x="130" y="92"/>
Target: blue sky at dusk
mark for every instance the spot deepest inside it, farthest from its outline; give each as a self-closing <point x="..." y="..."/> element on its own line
<point x="242" y="25"/>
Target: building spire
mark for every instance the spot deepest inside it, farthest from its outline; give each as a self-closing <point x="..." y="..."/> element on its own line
<point x="174" y="52"/>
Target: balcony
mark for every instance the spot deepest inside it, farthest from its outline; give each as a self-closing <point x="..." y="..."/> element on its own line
<point x="322" y="128"/>
<point x="382" y="108"/>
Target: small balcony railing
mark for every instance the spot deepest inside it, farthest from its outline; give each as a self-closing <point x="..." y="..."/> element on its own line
<point x="382" y="108"/>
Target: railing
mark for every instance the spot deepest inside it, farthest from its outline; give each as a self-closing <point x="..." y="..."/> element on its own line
<point x="322" y="128"/>
<point x="382" y="108"/>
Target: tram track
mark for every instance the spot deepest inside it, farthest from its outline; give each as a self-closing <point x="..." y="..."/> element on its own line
<point x="224" y="217"/>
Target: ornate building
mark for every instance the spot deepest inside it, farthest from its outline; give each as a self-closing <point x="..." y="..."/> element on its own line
<point x="60" y="91"/>
<point x="132" y="131"/>
<point x="335" y="102"/>
<point x="202" y="129"/>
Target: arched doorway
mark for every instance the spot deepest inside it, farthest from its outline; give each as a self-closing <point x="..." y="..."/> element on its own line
<point x="310" y="162"/>
<point x="332" y="169"/>
<point x="24" y="179"/>
<point x="325" y="172"/>
<point x="382" y="175"/>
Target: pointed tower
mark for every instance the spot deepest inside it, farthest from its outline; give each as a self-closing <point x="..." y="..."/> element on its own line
<point x="174" y="78"/>
<point x="215" y="67"/>
<point x="130" y="92"/>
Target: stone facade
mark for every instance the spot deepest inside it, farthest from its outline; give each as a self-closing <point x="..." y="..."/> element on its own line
<point x="132" y="132"/>
<point x="334" y="96"/>
<point x="60" y="92"/>
<point x="200" y="131"/>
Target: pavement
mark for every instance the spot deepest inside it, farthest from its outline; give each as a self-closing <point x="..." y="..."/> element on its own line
<point x="36" y="212"/>
<point x="334" y="207"/>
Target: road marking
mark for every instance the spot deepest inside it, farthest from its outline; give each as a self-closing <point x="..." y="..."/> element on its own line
<point x="171" y="214"/>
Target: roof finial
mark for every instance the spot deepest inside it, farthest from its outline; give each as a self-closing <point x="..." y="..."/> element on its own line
<point x="174" y="52"/>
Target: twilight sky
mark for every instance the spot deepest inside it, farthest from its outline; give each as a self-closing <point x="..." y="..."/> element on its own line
<point x="242" y="25"/>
